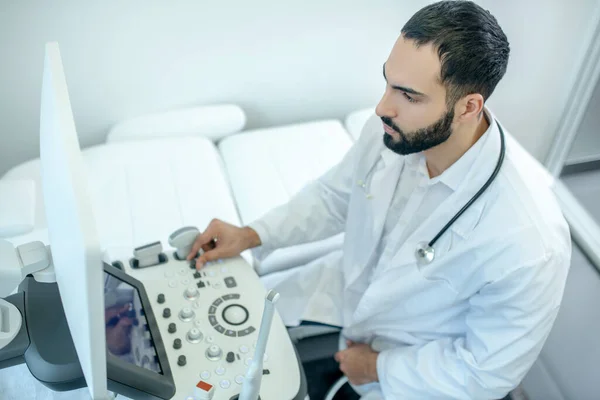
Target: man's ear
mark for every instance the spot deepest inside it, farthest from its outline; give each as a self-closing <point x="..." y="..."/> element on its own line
<point x="470" y="107"/>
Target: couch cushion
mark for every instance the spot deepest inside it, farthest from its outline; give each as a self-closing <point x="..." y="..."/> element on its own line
<point x="266" y="167"/>
<point x="142" y="191"/>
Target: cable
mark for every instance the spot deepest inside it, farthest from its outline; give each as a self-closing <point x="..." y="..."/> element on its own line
<point x="336" y="386"/>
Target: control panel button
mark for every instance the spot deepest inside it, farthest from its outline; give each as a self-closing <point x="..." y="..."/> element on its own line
<point x="185" y="281"/>
<point x="212" y="310"/>
<point x="245" y="332"/>
<point x="181" y="361"/>
<point x="205" y="375"/>
<point x="219" y="328"/>
<point x="225" y="384"/>
<point x="220" y="370"/>
<point x="173" y="284"/>
<point x="217" y="285"/>
<point x="182" y="271"/>
<point x="186" y="314"/>
<point x="194" y="335"/>
<point x="177" y="344"/>
<point x="244" y="349"/>
<point x="204" y="391"/>
<point x="239" y="379"/>
<point x="212" y="273"/>
<point x="167" y="313"/>
<point x="160" y="299"/>
<point x="213" y="320"/>
<point x="248" y="361"/>
<point x="230" y="357"/>
<point x="200" y="284"/>
<point x="235" y="314"/>
<point x="172" y="328"/>
<point x="191" y="293"/>
<point x="218" y="302"/>
<point x="214" y="352"/>
<point x="197" y="275"/>
<point x="230" y="282"/>
<point x="210" y="339"/>
<point x="169" y="274"/>
<point x="231" y="333"/>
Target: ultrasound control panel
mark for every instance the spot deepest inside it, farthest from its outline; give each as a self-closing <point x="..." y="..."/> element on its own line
<point x="208" y="321"/>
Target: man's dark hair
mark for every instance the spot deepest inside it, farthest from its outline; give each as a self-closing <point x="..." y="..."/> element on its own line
<point x="472" y="47"/>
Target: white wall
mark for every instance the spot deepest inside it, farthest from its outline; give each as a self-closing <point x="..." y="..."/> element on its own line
<point x="282" y="61"/>
<point x="586" y="146"/>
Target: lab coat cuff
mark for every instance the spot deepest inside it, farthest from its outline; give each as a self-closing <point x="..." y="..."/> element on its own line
<point x="385" y="371"/>
<point x="262" y="251"/>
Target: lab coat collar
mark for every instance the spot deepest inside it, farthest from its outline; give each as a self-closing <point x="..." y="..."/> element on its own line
<point x="475" y="175"/>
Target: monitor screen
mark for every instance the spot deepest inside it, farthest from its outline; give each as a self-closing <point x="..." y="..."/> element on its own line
<point x="128" y="336"/>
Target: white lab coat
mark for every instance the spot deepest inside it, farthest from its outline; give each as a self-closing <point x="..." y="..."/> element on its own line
<point x="467" y="326"/>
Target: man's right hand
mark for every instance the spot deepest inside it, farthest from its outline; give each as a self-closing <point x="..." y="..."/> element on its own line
<point x="222" y="240"/>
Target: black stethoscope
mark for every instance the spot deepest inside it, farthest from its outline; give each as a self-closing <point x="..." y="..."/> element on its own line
<point x="425" y="253"/>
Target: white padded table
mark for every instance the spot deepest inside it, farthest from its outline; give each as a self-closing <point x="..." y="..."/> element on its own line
<point x="266" y="167"/>
<point x="142" y="191"/>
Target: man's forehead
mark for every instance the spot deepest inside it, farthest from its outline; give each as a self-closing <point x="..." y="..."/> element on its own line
<point x="412" y="66"/>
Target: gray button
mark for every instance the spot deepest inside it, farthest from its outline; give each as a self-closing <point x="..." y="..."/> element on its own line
<point x="217" y="302"/>
<point x="230" y="282"/>
<point x="228" y="297"/>
<point x="212" y="310"/>
<point x="212" y="319"/>
<point x="219" y="328"/>
<point x="229" y="332"/>
<point x="246" y="331"/>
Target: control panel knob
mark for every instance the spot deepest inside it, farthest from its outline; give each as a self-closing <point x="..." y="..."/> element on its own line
<point x="214" y="352"/>
<point x="183" y="239"/>
<point x="167" y="313"/>
<point x="194" y="335"/>
<point x="177" y="344"/>
<point x="161" y="298"/>
<point x="191" y="293"/>
<point x="172" y="328"/>
<point x="186" y="314"/>
<point x="181" y="361"/>
<point x="230" y="357"/>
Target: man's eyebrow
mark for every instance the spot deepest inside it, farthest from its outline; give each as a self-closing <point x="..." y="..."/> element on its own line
<point x="403" y="88"/>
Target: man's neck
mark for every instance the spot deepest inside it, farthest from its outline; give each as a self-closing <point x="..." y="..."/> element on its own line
<point x="441" y="157"/>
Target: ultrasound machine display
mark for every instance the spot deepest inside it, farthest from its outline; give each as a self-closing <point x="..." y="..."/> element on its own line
<point x="127" y="334"/>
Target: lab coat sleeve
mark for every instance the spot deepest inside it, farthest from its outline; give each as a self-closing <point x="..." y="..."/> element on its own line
<point x="316" y="212"/>
<point x="506" y="327"/>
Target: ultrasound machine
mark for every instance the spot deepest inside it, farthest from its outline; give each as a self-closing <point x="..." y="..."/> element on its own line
<point x="141" y="323"/>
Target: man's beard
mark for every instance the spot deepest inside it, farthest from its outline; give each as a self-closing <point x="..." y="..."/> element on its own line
<point x="421" y="139"/>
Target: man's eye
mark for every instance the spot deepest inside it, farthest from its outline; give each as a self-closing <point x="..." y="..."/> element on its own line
<point x="410" y="99"/>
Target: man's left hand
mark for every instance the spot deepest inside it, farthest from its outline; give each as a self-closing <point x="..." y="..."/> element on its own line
<point x="358" y="362"/>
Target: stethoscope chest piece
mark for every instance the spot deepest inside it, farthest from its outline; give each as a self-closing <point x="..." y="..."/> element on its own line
<point x="424" y="253"/>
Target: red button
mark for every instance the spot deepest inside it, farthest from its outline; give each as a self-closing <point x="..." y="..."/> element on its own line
<point x="204" y="386"/>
